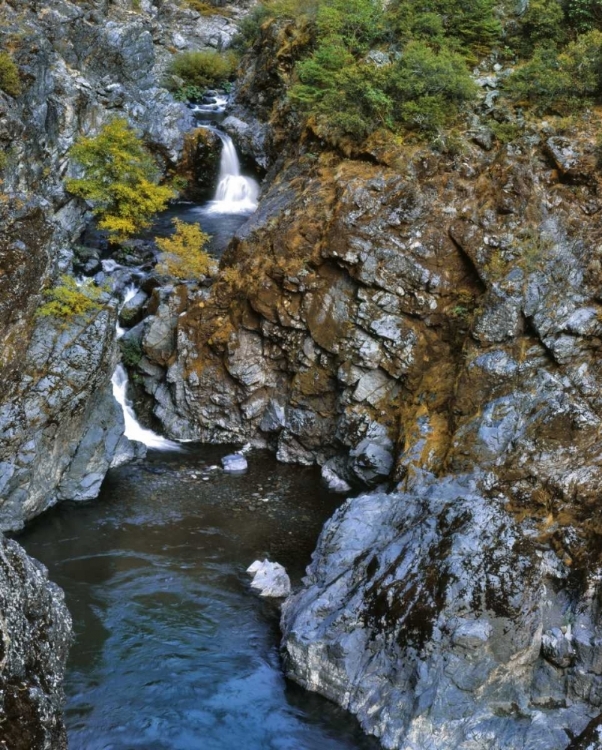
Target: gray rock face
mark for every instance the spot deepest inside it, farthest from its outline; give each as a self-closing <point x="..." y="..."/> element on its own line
<point x="61" y="426"/>
<point x="441" y="335"/>
<point x="132" y="312"/>
<point x="437" y="608"/>
<point x="35" y="635"/>
<point x="331" y="477"/>
<point x="251" y="137"/>
<point x="82" y="65"/>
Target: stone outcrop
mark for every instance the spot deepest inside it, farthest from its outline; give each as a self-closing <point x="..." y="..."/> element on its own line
<point x="62" y="429"/>
<point x="35" y="634"/>
<point x="443" y="623"/>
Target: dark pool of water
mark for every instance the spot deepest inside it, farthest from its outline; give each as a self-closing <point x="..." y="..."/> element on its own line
<point x="221" y="227"/>
<point x="173" y="650"/>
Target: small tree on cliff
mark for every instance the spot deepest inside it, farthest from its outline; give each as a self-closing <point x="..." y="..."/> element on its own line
<point x="185" y="255"/>
<point x="121" y="179"/>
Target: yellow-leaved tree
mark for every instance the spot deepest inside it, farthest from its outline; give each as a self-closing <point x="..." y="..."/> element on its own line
<point x="185" y="254"/>
<point x="120" y="179"/>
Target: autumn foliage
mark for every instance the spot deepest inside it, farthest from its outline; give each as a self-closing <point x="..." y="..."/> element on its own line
<point x="120" y="179"/>
<point x="185" y="256"/>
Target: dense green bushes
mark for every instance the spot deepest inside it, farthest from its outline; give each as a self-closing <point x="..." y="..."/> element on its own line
<point x="561" y="81"/>
<point x="406" y="64"/>
<point x="355" y="80"/>
<point x="467" y="25"/>
<point x="10" y="81"/>
<point x="199" y="71"/>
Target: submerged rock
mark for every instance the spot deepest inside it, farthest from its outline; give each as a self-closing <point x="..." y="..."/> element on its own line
<point x="270" y="579"/>
<point x="235" y="463"/>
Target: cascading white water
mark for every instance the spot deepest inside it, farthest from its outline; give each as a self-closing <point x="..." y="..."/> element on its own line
<point x="133" y="429"/>
<point x="129" y="294"/>
<point x="236" y="194"/>
<point x="216" y="105"/>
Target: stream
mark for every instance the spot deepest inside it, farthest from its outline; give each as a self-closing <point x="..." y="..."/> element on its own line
<point x="173" y="650"/>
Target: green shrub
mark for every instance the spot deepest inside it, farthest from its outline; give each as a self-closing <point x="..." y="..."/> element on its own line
<point x="10" y="81"/>
<point x="202" y="70"/>
<point x="429" y="86"/>
<point x="451" y="24"/>
<point x="68" y="299"/>
<point x="584" y="15"/>
<point x="561" y="82"/>
<point x="352" y="93"/>
<point x="131" y="352"/>
<point x="542" y="24"/>
<point x="120" y="179"/>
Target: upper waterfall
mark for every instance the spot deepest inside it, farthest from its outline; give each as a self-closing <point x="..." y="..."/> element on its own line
<point x="236" y="194"/>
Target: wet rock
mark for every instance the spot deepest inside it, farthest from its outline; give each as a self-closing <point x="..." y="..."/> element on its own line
<point x="132" y="312"/>
<point x="420" y="605"/>
<point x="274" y="418"/>
<point x="372" y="461"/>
<point x="61" y="426"/>
<point x="200" y="163"/>
<point x="35" y="630"/>
<point x="250" y="138"/>
<point x="332" y="478"/>
<point x="235" y="463"/>
<point x="270" y="579"/>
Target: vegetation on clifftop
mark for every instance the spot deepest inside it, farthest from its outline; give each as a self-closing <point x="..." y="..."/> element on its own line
<point x="191" y="73"/>
<point x="407" y="65"/>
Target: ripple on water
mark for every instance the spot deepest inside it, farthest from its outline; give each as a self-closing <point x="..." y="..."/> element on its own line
<point x="173" y="650"/>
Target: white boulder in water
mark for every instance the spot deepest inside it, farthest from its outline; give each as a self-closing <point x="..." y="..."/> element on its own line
<point x="270" y="579"/>
<point x="235" y="463"/>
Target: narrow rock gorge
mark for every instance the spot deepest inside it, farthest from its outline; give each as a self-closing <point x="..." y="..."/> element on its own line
<point x="416" y="312"/>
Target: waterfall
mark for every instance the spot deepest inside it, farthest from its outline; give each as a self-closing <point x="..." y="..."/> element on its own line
<point x="133" y="429"/>
<point x="236" y="194"/>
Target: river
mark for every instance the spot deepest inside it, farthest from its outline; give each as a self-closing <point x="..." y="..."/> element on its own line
<point x="173" y="650"/>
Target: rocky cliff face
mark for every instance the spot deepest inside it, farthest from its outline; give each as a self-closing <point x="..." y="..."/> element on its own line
<point x="80" y="64"/>
<point x="60" y="427"/>
<point x="35" y="633"/>
<point x="432" y="319"/>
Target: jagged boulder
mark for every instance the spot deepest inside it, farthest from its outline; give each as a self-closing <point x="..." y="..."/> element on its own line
<point x="35" y="635"/>
<point x="424" y="614"/>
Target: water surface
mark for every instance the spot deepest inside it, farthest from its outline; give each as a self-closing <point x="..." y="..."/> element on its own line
<point x="173" y="650"/>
